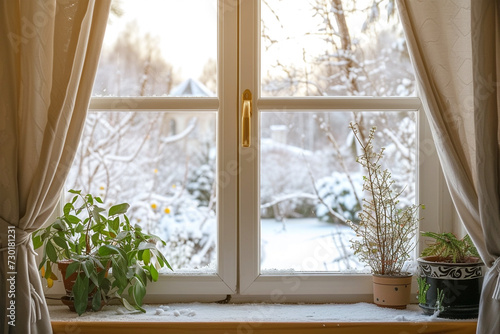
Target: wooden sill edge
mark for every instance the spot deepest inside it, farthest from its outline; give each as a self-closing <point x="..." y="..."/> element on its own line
<point x="108" y="327"/>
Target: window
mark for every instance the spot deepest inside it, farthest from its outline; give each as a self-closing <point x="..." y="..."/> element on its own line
<point x="163" y="133"/>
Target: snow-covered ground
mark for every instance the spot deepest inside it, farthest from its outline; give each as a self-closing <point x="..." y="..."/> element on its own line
<point x="306" y="244"/>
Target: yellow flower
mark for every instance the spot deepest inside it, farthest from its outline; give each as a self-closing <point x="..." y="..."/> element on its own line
<point x="50" y="280"/>
<point x="154" y="206"/>
<point x="155" y="171"/>
<point x="101" y="187"/>
<point x="173" y="186"/>
<point x="167" y="210"/>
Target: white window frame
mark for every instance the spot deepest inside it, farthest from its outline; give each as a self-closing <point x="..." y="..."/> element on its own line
<point x="315" y="286"/>
<point x="238" y="245"/>
<point x="198" y="286"/>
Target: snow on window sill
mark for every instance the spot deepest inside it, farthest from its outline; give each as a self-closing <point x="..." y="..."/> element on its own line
<point x="256" y="318"/>
<point x="209" y="312"/>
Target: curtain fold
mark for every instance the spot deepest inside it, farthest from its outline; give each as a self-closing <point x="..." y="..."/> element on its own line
<point x="49" y="51"/>
<point x="454" y="46"/>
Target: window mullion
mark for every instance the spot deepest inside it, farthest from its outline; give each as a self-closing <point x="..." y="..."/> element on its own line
<point x="249" y="249"/>
<point x="305" y="104"/>
<point x="198" y="104"/>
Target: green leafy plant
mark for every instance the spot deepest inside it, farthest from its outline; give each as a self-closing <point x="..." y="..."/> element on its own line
<point x="386" y="230"/>
<point x="448" y="248"/>
<point x="111" y="257"/>
<point x="423" y="287"/>
<point x="439" y="300"/>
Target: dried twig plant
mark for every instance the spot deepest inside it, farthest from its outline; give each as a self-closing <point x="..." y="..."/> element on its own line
<point x="386" y="231"/>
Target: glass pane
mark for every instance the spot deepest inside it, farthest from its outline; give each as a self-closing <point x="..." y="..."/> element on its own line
<point x="302" y="199"/>
<point x="163" y="165"/>
<point x="159" y="48"/>
<point x="340" y="48"/>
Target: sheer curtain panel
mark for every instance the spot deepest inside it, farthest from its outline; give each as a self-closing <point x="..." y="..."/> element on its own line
<point x="455" y="49"/>
<point x="49" y="52"/>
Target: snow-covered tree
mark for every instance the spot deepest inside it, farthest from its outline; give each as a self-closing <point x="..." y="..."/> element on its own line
<point x="134" y="66"/>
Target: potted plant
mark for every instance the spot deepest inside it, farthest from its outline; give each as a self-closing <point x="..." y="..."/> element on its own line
<point x="386" y="231"/>
<point x="100" y="254"/>
<point x="450" y="277"/>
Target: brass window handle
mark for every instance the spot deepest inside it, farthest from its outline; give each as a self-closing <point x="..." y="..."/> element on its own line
<point x="246" y="115"/>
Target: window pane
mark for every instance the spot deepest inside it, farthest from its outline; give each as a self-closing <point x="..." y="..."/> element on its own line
<point x="302" y="199"/>
<point x="159" y="48"/>
<point x="339" y="48"/>
<point x="163" y="165"/>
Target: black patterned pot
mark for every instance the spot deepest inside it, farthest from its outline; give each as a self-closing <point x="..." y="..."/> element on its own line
<point x="452" y="288"/>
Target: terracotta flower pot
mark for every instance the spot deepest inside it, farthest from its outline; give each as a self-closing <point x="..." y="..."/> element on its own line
<point x="392" y="291"/>
<point x="70" y="281"/>
<point x="68" y="286"/>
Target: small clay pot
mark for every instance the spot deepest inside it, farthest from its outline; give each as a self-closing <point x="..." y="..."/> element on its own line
<point x="392" y="291"/>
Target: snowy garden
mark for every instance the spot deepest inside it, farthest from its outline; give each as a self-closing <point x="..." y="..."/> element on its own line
<point x="164" y="164"/>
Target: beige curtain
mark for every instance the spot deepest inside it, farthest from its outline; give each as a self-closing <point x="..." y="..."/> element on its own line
<point x="455" y="49"/>
<point x="49" y="51"/>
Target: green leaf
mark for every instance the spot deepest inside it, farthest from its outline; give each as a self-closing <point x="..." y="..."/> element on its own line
<point x="96" y="300"/>
<point x="93" y="277"/>
<point x="106" y="250"/>
<point x="76" y="192"/>
<point x="122" y="235"/>
<point x="146" y="245"/>
<point x="146" y="256"/>
<point x="95" y="214"/>
<point x="127" y="223"/>
<point x="80" y="209"/>
<point x="72" y="219"/>
<point x="154" y="272"/>
<point x="98" y="263"/>
<point x="104" y="282"/>
<point x="139" y="291"/>
<point x="48" y="270"/>
<point x="61" y="242"/>
<point x="115" y="224"/>
<point x="51" y="251"/>
<point x="59" y="225"/>
<point x="119" y="275"/>
<point x="74" y="266"/>
<point x="132" y="256"/>
<point x="161" y="258"/>
<point x="140" y="274"/>
<point x="99" y="200"/>
<point x="79" y="228"/>
<point x="42" y="263"/>
<point x="95" y="238"/>
<point x="88" y="268"/>
<point x="37" y="241"/>
<point x="80" y="293"/>
<point x="89" y="199"/>
<point x="127" y="305"/>
<point x="67" y="208"/>
<point x="118" y="209"/>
